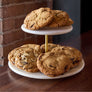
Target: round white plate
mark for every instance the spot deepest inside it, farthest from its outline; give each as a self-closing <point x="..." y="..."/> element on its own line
<point x="40" y="75"/>
<point x="50" y="31"/>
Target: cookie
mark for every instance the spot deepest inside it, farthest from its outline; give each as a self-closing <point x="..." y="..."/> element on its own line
<point x="36" y="48"/>
<point x="74" y="54"/>
<point x="26" y="59"/>
<point x="50" y="47"/>
<point x="38" y="18"/>
<point x="53" y="64"/>
<point x="59" y="20"/>
<point x="58" y="61"/>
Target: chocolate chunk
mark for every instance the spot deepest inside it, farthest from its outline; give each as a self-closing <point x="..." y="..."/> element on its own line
<point x="52" y="66"/>
<point x="76" y="61"/>
<point x="32" y="25"/>
<point x="72" y="59"/>
<point x="66" y="67"/>
<point x="51" y="54"/>
<point x="63" y="49"/>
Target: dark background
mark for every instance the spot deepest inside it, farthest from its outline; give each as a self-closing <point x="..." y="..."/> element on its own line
<point x="80" y="12"/>
<point x="72" y="7"/>
<point x="86" y="15"/>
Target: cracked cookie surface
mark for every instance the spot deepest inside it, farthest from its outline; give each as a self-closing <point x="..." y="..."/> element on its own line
<point x="60" y="19"/>
<point x="58" y="61"/>
<point x="25" y="57"/>
<point x="38" y="18"/>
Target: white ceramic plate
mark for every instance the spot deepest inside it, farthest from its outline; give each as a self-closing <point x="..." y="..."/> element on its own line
<point x="40" y="75"/>
<point x="46" y="31"/>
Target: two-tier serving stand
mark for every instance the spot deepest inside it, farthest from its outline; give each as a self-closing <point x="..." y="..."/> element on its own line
<point x="46" y="32"/>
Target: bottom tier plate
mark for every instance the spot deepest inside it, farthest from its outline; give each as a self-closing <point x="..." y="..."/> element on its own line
<point x="39" y="75"/>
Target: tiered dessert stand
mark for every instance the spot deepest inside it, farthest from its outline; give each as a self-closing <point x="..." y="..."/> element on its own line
<point x="46" y="32"/>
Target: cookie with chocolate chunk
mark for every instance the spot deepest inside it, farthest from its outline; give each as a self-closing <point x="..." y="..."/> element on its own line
<point x="26" y="59"/>
<point x="58" y="61"/>
<point x="38" y="18"/>
<point x="53" y="64"/>
<point x="74" y="54"/>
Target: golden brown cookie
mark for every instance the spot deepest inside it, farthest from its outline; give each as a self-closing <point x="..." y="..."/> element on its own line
<point x="60" y="19"/>
<point x="36" y="48"/>
<point x="58" y="61"/>
<point x="26" y="60"/>
<point x="25" y="57"/>
<point x="50" y="47"/>
<point x="38" y="18"/>
<point x="74" y="54"/>
<point x="53" y="64"/>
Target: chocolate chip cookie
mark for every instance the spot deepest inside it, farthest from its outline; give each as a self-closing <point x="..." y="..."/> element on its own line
<point x="60" y="19"/>
<point x="74" y="54"/>
<point x="58" y="61"/>
<point x="53" y="64"/>
<point x="38" y="18"/>
<point x="26" y="59"/>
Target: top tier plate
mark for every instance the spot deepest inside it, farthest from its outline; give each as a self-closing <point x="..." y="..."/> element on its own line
<point x="50" y="31"/>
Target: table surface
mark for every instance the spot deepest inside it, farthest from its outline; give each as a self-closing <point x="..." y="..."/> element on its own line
<point x="11" y="82"/>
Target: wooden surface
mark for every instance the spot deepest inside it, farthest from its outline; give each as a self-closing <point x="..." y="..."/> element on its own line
<point x="11" y="82"/>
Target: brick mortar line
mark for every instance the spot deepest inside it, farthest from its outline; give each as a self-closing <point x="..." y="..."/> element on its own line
<point x="14" y="42"/>
<point x="14" y="17"/>
<point x="13" y="4"/>
<point x="12" y="30"/>
<point x="1" y="33"/>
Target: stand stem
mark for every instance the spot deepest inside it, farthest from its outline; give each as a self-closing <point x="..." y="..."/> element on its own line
<point x="46" y="43"/>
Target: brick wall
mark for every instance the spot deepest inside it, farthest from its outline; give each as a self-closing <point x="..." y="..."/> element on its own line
<point x="12" y="14"/>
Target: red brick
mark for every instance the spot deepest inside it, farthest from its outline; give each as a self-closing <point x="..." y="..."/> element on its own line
<point x="19" y="22"/>
<point x="11" y="11"/>
<point x="8" y="24"/>
<point x="29" y="7"/>
<point x="20" y="1"/>
<point x="6" y="2"/>
<point x="28" y="35"/>
<point x="13" y="36"/>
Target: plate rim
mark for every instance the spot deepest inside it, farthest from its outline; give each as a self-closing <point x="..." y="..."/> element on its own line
<point x="46" y="77"/>
<point x="51" y="31"/>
